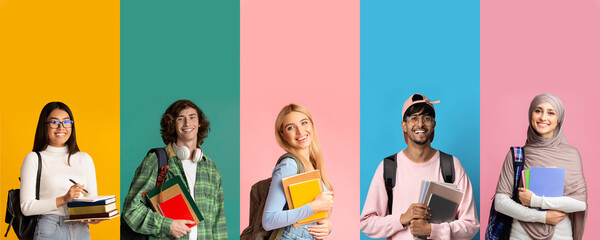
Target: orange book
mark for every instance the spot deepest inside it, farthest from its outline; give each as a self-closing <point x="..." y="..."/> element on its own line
<point x="305" y="192"/>
<point x="301" y="189"/>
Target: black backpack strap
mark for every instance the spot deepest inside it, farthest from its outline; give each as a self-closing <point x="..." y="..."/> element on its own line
<point x="292" y="156"/>
<point x="447" y="167"/>
<point x="389" y="177"/>
<point x="163" y="164"/>
<point x="37" y="194"/>
<point x="518" y="156"/>
<point x="39" y="175"/>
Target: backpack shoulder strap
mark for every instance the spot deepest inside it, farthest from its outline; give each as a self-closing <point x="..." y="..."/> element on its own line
<point x="292" y="156"/>
<point x="39" y="175"/>
<point x="518" y="156"/>
<point x="389" y="177"/>
<point x="163" y="164"/>
<point x="276" y="234"/>
<point x="447" y="167"/>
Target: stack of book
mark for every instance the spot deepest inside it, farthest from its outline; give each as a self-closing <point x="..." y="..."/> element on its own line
<point x="442" y="198"/>
<point x="97" y="207"/>
<point x="301" y="189"/>
<point x="173" y="200"/>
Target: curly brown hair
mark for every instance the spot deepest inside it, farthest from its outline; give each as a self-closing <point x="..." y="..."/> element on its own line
<point x="167" y="123"/>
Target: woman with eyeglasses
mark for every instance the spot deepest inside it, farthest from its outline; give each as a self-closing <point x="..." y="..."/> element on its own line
<point x="55" y="143"/>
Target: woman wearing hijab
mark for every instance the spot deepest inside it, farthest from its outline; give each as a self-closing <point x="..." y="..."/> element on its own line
<point x="538" y="217"/>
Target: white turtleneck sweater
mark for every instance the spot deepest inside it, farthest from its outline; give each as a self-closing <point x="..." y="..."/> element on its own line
<point x="54" y="181"/>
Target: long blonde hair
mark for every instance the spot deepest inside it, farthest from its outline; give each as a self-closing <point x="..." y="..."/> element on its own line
<point x="315" y="155"/>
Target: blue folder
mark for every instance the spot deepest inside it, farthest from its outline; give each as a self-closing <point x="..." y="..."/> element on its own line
<point x="547" y="182"/>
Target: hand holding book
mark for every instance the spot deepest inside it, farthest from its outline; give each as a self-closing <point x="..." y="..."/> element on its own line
<point x="180" y="228"/>
<point x="323" y="202"/>
<point x="91" y="221"/>
<point x="525" y="196"/>
<point x="414" y="212"/>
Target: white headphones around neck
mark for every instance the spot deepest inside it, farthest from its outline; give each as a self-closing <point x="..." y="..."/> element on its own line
<point x="183" y="153"/>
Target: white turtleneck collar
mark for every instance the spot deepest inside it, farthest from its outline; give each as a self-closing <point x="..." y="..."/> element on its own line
<point x="52" y="149"/>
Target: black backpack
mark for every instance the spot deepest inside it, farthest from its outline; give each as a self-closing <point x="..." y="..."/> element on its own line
<point x="24" y="226"/>
<point x="389" y="174"/>
<point x="258" y="198"/>
<point x="126" y="232"/>
<point x="499" y="225"/>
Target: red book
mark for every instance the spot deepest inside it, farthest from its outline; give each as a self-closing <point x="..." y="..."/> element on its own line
<point x="176" y="208"/>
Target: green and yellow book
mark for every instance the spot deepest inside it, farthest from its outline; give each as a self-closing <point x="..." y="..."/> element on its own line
<point x="92" y="209"/>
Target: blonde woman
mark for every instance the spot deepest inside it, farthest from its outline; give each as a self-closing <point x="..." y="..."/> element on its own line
<point x="296" y="133"/>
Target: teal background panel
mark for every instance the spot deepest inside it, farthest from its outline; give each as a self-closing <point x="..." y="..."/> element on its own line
<point x="182" y="50"/>
<point x="428" y="47"/>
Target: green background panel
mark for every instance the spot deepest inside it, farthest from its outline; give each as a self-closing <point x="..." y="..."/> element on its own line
<point x="182" y="50"/>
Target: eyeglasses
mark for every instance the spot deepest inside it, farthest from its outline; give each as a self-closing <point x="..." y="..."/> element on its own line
<point x="415" y="119"/>
<point x="56" y="124"/>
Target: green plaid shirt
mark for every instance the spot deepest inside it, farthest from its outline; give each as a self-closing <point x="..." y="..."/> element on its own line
<point x="208" y="197"/>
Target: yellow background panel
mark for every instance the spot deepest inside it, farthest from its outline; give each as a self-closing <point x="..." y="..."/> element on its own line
<point x="64" y="51"/>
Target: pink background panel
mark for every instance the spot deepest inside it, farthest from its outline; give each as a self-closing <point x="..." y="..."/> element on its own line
<point x="305" y="53"/>
<point x="532" y="47"/>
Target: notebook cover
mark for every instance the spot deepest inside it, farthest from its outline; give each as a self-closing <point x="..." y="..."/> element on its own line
<point x="423" y="182"/>
<point x="286" y="181"/>
<point x="92" y="209"/>
<point x="172" y="188"/>
<point x="101" y="218"/>
<point x="425" y="187"/>
<point x="527" y="177"/>
<point x="176" y="208"/>
<point x="443" y="190"/>
<point x="86" y="204"/>
<point x="547" y="182"/>
<point x="442" y="209"/>
<point x="95" y="215"/>
<point x="93" y="199"/>
<point x="303" y="193"/>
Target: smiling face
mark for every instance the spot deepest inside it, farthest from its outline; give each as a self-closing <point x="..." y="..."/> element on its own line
<point x="59" y="136"/>
<point x="419" y="131"/>
<point x="297" y="130"/>
<point x="186" y="125"/>
<point x="544" y="119"/>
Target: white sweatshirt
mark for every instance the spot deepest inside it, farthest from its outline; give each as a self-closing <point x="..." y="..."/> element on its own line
<point x="54" y="181"/>
<point x="506" y="205"/>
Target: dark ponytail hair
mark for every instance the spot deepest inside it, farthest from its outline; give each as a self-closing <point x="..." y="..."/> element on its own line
<point x="40" y="143"/>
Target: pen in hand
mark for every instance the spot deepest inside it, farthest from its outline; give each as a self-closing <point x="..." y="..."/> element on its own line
<point x="76" y="183"/>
